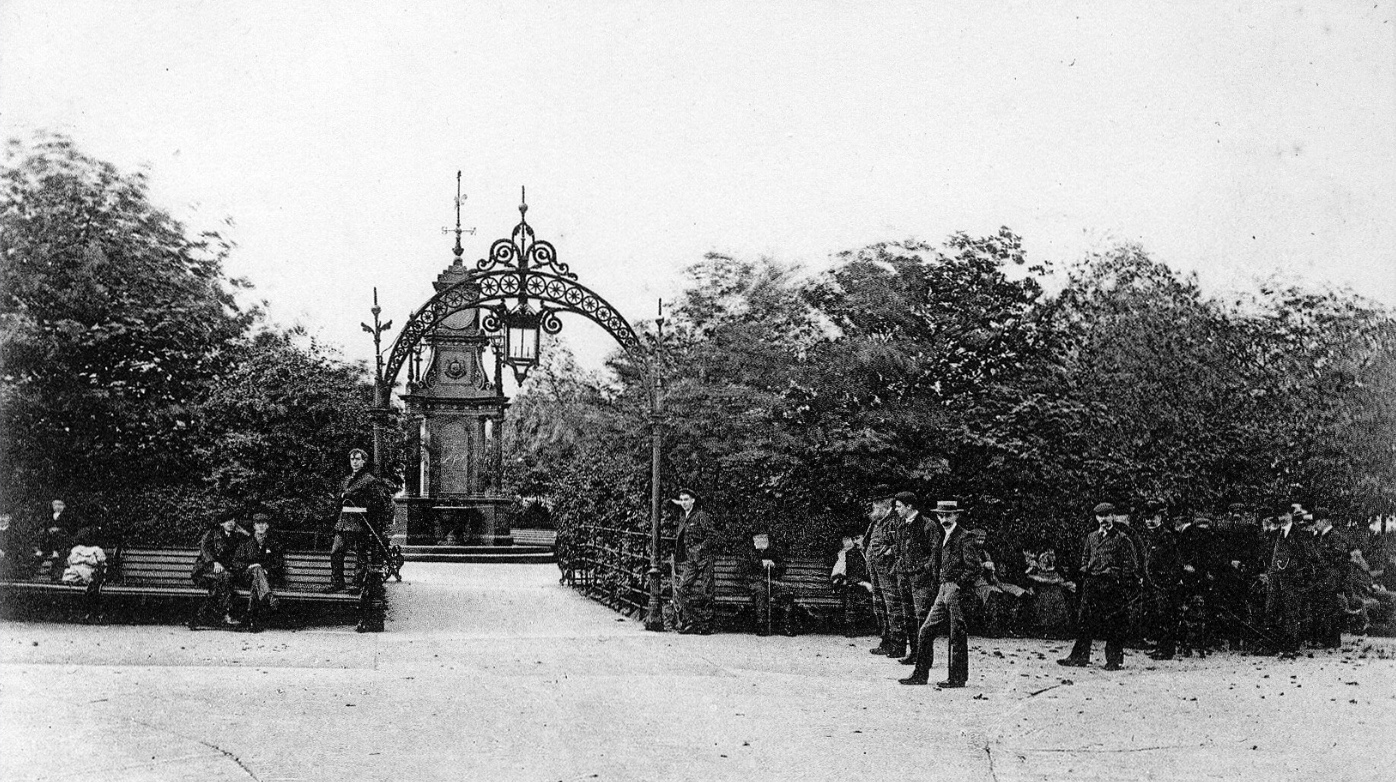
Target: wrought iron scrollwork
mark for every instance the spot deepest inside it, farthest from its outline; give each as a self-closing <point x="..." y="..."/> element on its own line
<point x="555" y="295"/>
<point x="522" y="268"/>
<point x="524" y="253"/>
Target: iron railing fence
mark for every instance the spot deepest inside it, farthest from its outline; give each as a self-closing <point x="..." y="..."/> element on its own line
<point x="610" y="564"/>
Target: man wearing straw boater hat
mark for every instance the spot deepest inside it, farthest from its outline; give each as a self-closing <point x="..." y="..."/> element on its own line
<point x="958" y="565"/>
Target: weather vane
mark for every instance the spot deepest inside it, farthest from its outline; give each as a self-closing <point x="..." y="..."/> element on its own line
<point x="459" y="199"/>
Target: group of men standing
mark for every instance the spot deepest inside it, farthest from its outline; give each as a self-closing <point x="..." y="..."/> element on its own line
<point x="1158" y="582"/>
<point x="920" y="566"/>
<point x="1182" y="577"/>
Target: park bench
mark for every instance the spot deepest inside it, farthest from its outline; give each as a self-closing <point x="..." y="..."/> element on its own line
<point x="146" y="574"/>
<point x="807" y="579"/>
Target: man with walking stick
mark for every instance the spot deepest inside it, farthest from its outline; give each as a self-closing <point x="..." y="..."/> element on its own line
<point x="761" y="567"/>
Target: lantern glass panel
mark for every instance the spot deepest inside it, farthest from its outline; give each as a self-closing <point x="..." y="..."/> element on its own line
<point x="523" y="343"/>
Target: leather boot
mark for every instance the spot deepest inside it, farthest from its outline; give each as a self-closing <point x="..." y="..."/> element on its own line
<point x="883" y="648"/>
<point x="922" y="673"/>
<point x="910" y="658"/>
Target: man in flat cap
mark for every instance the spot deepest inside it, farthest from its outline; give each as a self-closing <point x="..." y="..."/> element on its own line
<point x="880" y="547"/>
<point x="1109" y="572"/>
<point x="696" y="564"/>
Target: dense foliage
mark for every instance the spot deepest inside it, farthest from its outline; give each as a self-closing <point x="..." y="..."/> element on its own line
<point x="132" y="384"/>
<point x="950" y="371"/>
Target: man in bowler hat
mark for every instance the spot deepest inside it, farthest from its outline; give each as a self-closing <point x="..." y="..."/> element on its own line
<point x="880" y="547"/>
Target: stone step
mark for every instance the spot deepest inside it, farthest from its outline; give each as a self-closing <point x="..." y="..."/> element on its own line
<point x="501" y="557"/>
<point x="480" y="554"/>
<point x="409" y="551"/>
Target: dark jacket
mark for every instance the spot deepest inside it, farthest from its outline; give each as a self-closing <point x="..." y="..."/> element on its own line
<point x="365" y="490"/>
<point x="881" y="543"/>
<point x="17" y="553"/>
<point x="959" y="561"/>
<point x="1291" y="557"/>
<point x="918" y="544"/>
<point x="1109" y="555"/>
<point x="1331" y="561"/>
<point x="1162" y="566"/>
<point x="1196" y="548"/>
<point x="216" y="546"/>
<point x="270" y="554"/>
<point x="749" y="568"/>
<point x="855" y="566"/>
<point x="691" y="543"/>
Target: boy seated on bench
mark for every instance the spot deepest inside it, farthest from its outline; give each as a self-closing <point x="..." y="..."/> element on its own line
<point x="213" y="570"/>
<point x="760" y="567"/>
<point x="259" y="562"/>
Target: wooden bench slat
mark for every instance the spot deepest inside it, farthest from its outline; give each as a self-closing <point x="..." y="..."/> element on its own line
<point x="168" y="573"/>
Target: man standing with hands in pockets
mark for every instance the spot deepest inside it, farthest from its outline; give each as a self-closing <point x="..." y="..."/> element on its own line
<point x="697" y="576"/>
<point x="959" y="565"/>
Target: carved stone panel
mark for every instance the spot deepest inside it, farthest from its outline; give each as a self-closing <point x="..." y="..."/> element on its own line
<point x="452" y="443"/>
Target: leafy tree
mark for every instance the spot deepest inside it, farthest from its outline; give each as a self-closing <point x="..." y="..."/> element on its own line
<point x="935" y="354"/>
<point x="133" y="383"/>
<point x="278" y="427"/>
<point x="115" y="320"/>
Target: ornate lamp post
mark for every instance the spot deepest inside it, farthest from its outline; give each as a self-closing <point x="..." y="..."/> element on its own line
<point x="380" y="413"/>
<point x="654" y="612"/>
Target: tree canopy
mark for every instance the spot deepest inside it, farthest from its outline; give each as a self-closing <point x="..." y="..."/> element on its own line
<point x="949" y="370"/>
<point x="132" y="381"/>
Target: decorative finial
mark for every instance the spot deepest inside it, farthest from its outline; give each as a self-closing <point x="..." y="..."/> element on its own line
<point x="523" y="200"/>
<point x="458" y="249"/>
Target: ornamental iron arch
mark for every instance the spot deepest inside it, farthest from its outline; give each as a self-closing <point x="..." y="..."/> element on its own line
<point x="554" y="294"/>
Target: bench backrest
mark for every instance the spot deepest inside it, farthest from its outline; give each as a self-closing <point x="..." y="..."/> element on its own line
<point x="807" y="578"/>
<point x="306" y="571"/>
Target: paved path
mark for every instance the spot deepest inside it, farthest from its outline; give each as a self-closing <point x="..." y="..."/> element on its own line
<point x="495" y="672"/>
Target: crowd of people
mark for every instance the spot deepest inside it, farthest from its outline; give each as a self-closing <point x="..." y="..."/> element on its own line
<point x="1174" y="583"/>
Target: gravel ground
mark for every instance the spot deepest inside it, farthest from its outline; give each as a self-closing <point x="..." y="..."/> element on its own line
<point x="495" y="672"/>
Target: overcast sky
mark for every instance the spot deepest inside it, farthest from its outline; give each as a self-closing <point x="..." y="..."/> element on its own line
<point x="1234" y="139"/>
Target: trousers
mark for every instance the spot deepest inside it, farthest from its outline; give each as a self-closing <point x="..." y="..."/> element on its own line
<point x="945" y="615"/>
